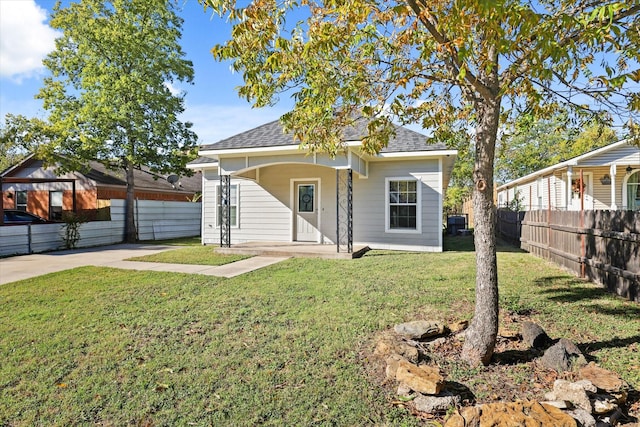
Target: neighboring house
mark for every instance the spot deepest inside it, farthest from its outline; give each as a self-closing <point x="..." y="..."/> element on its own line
<point x="610" y="180"/>
<point x="31" y="187"/>
<point x="261" y="185"/>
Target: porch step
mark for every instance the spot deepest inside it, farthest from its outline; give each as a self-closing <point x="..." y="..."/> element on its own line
<point x="292" y="250"/>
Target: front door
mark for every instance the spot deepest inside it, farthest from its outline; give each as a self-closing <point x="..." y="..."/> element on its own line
<point x="306" y="211"/>
<point x="575" y="202"/>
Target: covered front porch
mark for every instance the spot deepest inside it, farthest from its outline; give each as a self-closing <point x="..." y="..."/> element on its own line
<point x="293" y="250"/>
<point x="314" y="203"/>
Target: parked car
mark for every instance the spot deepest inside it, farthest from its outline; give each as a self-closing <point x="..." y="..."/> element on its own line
<point x="16" y="217"/>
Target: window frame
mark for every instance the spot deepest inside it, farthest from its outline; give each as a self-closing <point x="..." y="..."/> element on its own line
<point x="388" y="204"/>
<point x="236" y="205"/>
<point x="626" y="203"/>
<point x="51" y="206"/>
<point x="20" y="206"/>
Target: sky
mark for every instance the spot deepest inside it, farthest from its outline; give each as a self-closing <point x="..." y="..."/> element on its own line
<point x="211" y="103"/>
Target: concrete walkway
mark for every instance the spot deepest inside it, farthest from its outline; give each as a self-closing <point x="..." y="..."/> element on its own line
<point x="28" y="266"/>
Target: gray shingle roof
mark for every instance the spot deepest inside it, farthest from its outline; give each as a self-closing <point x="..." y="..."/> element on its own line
<point x="202" y="161"/>
<point x="99" y="173"/>
<point x="272" y="135"/>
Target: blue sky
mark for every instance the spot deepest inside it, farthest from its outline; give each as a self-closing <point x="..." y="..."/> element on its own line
<point x="212" y="103"/>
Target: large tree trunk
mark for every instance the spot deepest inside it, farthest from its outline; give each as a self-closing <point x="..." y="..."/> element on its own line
<point x="480" y="338"/>
<point x="130" y="223"/>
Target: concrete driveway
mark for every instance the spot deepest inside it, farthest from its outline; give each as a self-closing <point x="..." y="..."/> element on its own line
<point x="27" y="266"/>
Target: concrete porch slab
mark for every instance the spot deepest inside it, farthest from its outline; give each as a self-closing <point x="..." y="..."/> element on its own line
<point x="292" y="249"/>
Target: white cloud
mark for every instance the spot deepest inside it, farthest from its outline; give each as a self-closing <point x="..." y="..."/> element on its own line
<point x="213" y="123"/>
<point x="172" y="88"/>
<point x="25" y="39"/>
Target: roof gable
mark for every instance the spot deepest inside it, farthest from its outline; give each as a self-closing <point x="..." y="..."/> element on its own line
<point x="619" y="152"/>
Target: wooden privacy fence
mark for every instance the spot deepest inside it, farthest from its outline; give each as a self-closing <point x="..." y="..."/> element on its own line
<point x="603" y="246"/>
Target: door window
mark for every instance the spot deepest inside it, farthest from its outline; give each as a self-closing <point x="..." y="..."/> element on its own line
<point x="306" y="197"/>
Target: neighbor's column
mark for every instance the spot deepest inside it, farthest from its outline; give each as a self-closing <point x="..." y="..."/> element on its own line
<point x="612" y="172"/>
<point x="569" y="190"/>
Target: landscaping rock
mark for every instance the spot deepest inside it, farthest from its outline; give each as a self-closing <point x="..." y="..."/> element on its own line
<point x="388" y="346"/>
<point x="393" y="362"/>
<point x="511" y="414"/>
<point x="458" y="326"/>
<point x="602" y="378"/>
<point x="560" y="404"/>
<point x="583" y="417"/>
<point x="563" y="356"/>
<point x="423" y="379"/>
<point x="534" y="336"/>
<point x="467" y="417"/>
<point x="576" y="393"/>
<point x="604" y="404"/>
<point x="404" y="391"/>
<point x="436" y="342"/>
<point x="434" y="404"/>
<point x="420" y="329"/>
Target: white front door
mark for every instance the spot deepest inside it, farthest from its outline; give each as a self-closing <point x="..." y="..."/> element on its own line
<point x="305" y="211"/>
<point x="575" y="202"/>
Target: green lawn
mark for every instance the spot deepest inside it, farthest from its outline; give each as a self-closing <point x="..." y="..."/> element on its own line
<point x="201" y="255"/>
<point x="279" y="346"/>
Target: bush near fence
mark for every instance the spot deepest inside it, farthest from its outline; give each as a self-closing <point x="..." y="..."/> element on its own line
<point x="155" y="220"/>
<point x="601" y="245"/>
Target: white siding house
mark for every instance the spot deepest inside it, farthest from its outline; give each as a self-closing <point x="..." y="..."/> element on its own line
<point x="610" y="180"/>
<point x="281" y="193"/>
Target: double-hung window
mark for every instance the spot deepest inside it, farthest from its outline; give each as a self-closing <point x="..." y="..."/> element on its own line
<point x="21" y="201"/>
<point x="55" y="205"/>
<point x="233" y="205"/>
<point x="403" y="211"/>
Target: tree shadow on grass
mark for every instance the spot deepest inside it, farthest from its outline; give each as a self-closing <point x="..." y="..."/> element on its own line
<point x="589" y="347"/>
<point x="568" y="289"/>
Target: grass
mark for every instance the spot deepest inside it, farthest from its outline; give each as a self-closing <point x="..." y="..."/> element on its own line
<point x="278" y="346"/>
<point x="183" y="241"/>
<point x="201" y="255"/>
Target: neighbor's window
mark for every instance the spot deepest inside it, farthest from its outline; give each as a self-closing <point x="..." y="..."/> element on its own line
<point x="21" y="201"/>
<point x="55" y="205"/>
<point x="403" y="211"/>
<point x="233" y="202"/>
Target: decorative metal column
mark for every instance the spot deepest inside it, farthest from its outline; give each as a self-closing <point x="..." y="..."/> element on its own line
<point x="344" y="210"/>
<point x="225" y="211"/>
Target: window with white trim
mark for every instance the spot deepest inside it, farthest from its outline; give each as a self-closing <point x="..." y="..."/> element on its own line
<point x="633" y="192"/>
<point x="403" y="205"/>
<point x="233" y="202"/>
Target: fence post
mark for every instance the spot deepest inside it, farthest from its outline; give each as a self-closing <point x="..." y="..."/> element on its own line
<point x="29" y="238"/>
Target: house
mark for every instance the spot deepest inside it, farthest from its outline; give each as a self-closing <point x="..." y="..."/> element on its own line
<point x="610" y="180"/>
<point x="261" y="186"/>
<point x="32" y="187"/>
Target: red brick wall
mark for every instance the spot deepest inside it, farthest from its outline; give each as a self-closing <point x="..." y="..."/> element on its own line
<point x="86" y="200"/>
<point x="38" y="201"/>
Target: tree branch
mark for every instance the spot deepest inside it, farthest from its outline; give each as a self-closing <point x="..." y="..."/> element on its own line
<point x="452" y="61"/>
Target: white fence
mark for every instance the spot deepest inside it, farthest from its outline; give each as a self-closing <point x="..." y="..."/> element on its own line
<point x="155" y="220"/>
